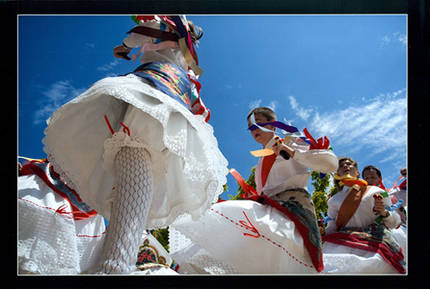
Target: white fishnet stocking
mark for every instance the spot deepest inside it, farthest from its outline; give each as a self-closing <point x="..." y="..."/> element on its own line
<point x="130" y="208"/>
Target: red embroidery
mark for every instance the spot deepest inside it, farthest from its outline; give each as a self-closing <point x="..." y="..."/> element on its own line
<point x="60" y="210"/>
<point x="108" y="124"/>
<point x="125" y="128"/>
<point x="251" y="228"/>
<point x="91" y="236"/>
<point x="266" y="238"/>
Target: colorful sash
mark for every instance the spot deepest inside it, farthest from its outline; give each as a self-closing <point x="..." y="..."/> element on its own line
<point x="374" y="238"/>
<point x="45" y="171"/>
<point x="297" y="205"/>
<point x="170" y="79"/>
<point x="349" y="206"/>
<point x="176" y="83"/>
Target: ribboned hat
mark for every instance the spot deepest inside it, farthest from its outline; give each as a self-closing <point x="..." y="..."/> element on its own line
<point x="171" y="28"/>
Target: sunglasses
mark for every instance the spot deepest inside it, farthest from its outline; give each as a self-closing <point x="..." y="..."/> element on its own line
<point x="254" y="127"/>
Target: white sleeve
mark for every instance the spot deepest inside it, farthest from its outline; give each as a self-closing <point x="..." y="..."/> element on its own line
<point x="393" y="220"/>
<point x="332" y="212"/>
<point x="320" y="160"/>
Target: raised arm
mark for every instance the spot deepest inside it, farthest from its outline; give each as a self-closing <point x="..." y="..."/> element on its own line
<point x="320" y="160"/>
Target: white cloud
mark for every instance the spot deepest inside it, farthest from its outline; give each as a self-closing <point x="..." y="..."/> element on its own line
<point x="257" y="103"/>
<point x="300" y="111"/>
<point x="403" y="39"/>
<point x="108" y="66"/>
<point x="90" y="45"/>
<point x="395" y="37"/>
<point x="272" y="105"/>
<point x="58" y="93"/>
<point x="254" y="104"/>
<point x="379" y="127"/>
<point x="376" y="127"/>
<point x="110" y="74"/>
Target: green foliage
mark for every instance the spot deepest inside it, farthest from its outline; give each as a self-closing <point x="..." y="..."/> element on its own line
<point x="320" y="203"/>
<point x="320" y="184"/>
<point x="225" y="188"/>
<point x="162" y="236"/>
<point x="319" y="196"/>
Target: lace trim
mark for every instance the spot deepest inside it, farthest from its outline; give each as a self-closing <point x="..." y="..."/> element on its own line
<point x="118" y="140"/>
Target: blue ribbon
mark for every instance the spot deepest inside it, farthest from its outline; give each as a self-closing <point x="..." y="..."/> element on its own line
<point x="278" y="124"/>
<point x="325" y="218"/>
<point x="395" y="206"/>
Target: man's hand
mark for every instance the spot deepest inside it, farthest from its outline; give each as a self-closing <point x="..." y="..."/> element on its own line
<point x="379" y="207"/>
<point x="277" y="148"/>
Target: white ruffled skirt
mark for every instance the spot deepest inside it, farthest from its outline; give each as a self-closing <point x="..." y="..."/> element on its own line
<point x="239" y="237"/>
<point x="189" y="170"/>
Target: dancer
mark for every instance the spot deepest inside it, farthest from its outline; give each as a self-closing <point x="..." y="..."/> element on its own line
<point x="138" y="148"/>
<point x="399" y="192"/>
<point x="358" y="239"/>
<point x="373" y="176"/>
<point x="274" y="231"/>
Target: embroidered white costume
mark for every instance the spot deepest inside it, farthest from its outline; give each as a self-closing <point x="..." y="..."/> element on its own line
<point x="162" y="159"/>
<point x="340" y="259"/>
<point x="249" y="237"/>
<point x="51" y="239"/>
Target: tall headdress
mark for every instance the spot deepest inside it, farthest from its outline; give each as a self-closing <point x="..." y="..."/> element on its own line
<point x="180" y="32"/>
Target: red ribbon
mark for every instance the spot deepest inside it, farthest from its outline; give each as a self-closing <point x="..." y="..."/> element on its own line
<point x="381" y="185"/>
<point x="321" y="143"/>
<point x="247" y="188"/>
<point x="145" y="18"/>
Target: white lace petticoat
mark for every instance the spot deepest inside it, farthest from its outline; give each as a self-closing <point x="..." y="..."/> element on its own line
<point x="189" y="170"/>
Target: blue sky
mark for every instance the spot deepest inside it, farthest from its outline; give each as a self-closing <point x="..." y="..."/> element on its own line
<point x="340" y="76"/>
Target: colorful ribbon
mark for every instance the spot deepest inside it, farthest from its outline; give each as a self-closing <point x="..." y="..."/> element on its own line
<point x="349" y="180"/>
<point x="247" y="188"/>
<point x="138" y="18"/>
<point x="321" y="143"/>
<point x="178" y="24"/>
<point x="325" y="218"/>
<point x="278" y="124"/>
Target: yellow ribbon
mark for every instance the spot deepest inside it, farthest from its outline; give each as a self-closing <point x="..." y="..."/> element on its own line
<point x="349" y="180"/>
<point x="29" y="159"/>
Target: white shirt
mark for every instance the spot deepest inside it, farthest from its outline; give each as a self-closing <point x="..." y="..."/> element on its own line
<point x="294" y="173"/>
<point x="364" y="216"/>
